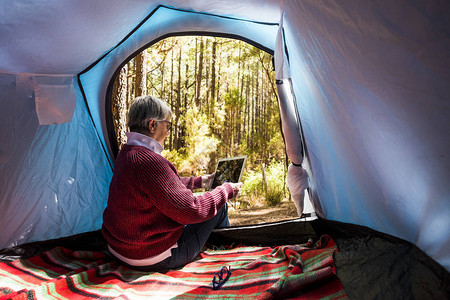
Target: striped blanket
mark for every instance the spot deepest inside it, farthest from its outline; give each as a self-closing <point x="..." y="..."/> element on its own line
<point x="289" y="271"/>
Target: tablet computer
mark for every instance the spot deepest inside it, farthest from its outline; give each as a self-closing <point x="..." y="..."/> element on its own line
<point x="228" y="170"/>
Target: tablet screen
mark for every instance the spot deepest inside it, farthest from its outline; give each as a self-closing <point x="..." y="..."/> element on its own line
<point x="229" y="170"/>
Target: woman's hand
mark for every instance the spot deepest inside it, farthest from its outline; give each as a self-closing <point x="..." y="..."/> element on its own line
<point x="207" y="180"/>
<point x="236" y="188"/>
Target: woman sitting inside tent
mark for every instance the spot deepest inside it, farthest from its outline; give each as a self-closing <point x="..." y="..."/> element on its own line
<point x="153" y="221"/>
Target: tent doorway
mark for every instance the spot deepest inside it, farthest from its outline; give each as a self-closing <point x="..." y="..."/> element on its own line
<point x="223" y="95"/>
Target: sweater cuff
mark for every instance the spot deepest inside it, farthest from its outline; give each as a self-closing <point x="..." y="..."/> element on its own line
<point x="198" y="182"/>
<point x="229" y="189"/>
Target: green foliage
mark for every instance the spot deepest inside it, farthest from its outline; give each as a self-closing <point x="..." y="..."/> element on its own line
<point x="252" y="184"/>
<point x="254" y="188"/>
<point x="275" y="173"/>
<point x="276" y="188"/>
<point x="194" y="158"/>
<point x="233" y="99"/>
<point x="275" y="149"/>
<point x="274" y="195"/>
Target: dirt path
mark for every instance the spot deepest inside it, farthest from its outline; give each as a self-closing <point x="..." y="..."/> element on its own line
<point x="286" y="210"/>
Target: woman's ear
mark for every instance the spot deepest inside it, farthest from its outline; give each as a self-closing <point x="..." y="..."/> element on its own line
<point x="151" y="126"/>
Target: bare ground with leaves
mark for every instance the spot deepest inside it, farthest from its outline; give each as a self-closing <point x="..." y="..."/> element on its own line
<point x="262" y="214"/>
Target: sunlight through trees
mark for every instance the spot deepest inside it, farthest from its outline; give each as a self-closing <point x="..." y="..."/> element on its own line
<point x="223" y="96"/>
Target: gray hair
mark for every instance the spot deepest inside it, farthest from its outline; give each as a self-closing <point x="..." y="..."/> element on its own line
<point x="145" y="108"/>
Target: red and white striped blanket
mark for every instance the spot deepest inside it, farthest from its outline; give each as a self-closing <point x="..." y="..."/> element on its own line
<point x="289" y="271"/>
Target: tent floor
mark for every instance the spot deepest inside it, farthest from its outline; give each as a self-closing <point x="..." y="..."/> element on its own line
<point x="370" y="264"/>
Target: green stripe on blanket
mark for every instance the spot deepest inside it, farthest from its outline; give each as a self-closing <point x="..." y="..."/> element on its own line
<point x="289" y="271"/>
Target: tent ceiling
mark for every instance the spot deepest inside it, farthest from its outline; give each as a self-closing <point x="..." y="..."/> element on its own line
<point x="72" y="34"/>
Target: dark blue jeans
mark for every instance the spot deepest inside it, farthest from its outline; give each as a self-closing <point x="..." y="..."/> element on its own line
<point x="190" y="243"/>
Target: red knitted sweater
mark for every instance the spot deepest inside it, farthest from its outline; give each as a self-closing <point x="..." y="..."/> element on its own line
<point x="149" y="204"/>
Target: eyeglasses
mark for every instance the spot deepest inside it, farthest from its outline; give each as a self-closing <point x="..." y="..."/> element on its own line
<point x="221" y="277"/>
<point x="168" y="124"/>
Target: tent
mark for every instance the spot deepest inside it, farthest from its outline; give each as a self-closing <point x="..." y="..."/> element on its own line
<point x="364" y="93"/>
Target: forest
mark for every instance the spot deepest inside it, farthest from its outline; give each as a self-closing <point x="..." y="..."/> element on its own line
<point x="223" y="97"/>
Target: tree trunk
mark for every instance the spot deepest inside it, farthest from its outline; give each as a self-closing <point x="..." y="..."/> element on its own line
<point x="171" y="144"/>
<point x="213" y="69"/>
<point x="186" y="87"/>
<point x="262" y="119"/>
<point x="247" y="109"/>
<point x="239" y="112"/>
<point x="239" y="68"/>
<point x="254" y="98"/>
<point x="266" y="183"/>
<point x="198" y="83"/>
<point x="177" y="107"/>
<point x="207" y="70"/>
<point x="162" y="80"/>
<point x="119" y="106"/>
<point x="141" y="75"/>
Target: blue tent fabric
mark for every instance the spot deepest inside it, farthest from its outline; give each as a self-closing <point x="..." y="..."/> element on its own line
<point x="54" y="177"/>
<point x="373" y="100"/>
<point x="371" y="84"/>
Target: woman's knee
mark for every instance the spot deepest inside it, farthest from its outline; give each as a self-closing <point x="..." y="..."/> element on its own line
<point x="223" y="213"/>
